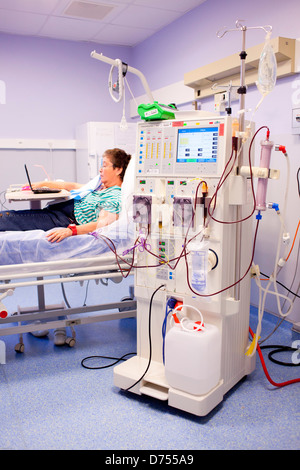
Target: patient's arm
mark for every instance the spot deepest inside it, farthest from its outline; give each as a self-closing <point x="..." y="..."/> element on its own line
<point x="68" y="185"/>
<point x="105" y="218"/>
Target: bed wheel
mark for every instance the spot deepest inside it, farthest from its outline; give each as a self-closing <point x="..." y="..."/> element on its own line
<point x="71" y="342"/>
<point x="19" y="348"/>
<point x="124" y="309"/>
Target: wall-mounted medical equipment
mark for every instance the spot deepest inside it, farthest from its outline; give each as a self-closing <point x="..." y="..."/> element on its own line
<point x="149" y="111"/>
<point x="190" y="258"/>
<point x="224" y="99"/>
<point x="224" y="70"/>
<point x="117" y="88"/>
<point x="121" y="71"/>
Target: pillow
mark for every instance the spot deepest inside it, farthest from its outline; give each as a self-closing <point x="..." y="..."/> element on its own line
<point x="127" y="190"/>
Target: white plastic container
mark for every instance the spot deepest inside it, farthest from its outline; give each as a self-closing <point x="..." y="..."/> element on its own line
<point x="193" y="359"/>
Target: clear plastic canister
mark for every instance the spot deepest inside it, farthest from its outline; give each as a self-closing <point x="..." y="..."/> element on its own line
<point x="265" y="157"/>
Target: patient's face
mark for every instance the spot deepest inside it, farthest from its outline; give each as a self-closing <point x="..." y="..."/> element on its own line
<point x="108" y="173"/>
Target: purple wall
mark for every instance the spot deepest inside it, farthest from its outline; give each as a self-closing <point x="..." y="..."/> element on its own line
<point x="53" y="85"/>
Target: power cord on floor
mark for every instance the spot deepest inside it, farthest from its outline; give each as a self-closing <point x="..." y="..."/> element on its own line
<point x="150" y="340"/>
<point x="278" y="349"/>
<point x="116" y="359"/>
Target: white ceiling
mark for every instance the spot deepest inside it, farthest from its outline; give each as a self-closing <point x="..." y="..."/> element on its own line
<point x="117" y="22"/>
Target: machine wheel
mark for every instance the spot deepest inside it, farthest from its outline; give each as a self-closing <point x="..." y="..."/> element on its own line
<point x="71" y="342"/>
<point x="19" y="348"/>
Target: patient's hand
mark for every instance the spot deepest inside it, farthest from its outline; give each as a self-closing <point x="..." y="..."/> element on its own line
<point x="57" y="235"/>
<point x="39" y="184"/>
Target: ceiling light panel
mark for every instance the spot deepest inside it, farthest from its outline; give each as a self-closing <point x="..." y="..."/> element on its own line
<point x="73" y="29"/>
<point x="88" y="10"/>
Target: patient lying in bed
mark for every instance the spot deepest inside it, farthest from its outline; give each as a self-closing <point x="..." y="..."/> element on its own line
<point x="97" y="208"/>
<point x="23" y="240"/>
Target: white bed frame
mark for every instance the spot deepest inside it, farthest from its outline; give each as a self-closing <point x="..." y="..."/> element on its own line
<point x="104" y="266"/>
<point x="43" y="273"/>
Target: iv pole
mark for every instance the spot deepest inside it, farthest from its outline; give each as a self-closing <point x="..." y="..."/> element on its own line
<point x="112" y="62"/>
<point x="242" y="92"/>
<point x="242" y="89"/>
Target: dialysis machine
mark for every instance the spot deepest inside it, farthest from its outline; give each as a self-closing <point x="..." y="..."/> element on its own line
<point x="184" y="206"/>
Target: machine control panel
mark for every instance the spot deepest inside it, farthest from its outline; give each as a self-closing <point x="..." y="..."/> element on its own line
<point x="181" y="148"/>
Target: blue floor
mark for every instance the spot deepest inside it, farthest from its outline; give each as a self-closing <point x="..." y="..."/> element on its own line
<point x="49" y="401"/>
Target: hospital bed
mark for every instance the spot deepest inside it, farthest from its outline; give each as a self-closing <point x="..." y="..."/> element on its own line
<point x="29" y="259"/>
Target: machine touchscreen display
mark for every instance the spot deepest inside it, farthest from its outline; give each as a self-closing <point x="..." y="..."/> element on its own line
<point x="197" y="145"/>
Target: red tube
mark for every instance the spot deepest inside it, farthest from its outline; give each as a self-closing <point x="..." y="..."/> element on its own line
<point x="283" y="384"/>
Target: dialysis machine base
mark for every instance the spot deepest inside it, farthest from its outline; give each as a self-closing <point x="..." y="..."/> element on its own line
<point x="175" y="158"/>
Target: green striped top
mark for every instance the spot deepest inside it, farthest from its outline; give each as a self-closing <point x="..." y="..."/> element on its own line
<point x="88" y="208"/>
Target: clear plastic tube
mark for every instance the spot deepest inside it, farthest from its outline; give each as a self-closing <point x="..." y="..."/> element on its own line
<point x="273" y="277"/>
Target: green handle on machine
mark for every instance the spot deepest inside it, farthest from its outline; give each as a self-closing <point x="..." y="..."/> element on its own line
<point x="155" y="111"/>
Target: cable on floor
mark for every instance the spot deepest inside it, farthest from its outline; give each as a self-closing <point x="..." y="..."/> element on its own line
<point x="115" y="359"/>
<point x="282" y="384"/>
<point x="277" y="348"/>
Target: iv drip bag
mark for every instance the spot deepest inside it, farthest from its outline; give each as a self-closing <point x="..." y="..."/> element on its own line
<point x="267" y="68"/>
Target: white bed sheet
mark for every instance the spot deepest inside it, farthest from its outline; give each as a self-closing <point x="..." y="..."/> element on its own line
<point x="33" y="247"/>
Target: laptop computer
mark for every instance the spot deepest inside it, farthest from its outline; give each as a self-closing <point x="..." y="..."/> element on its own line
<point x="41" y="190"/>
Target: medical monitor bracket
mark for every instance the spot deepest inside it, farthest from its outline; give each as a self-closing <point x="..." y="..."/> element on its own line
<point x="118" y="63"/>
